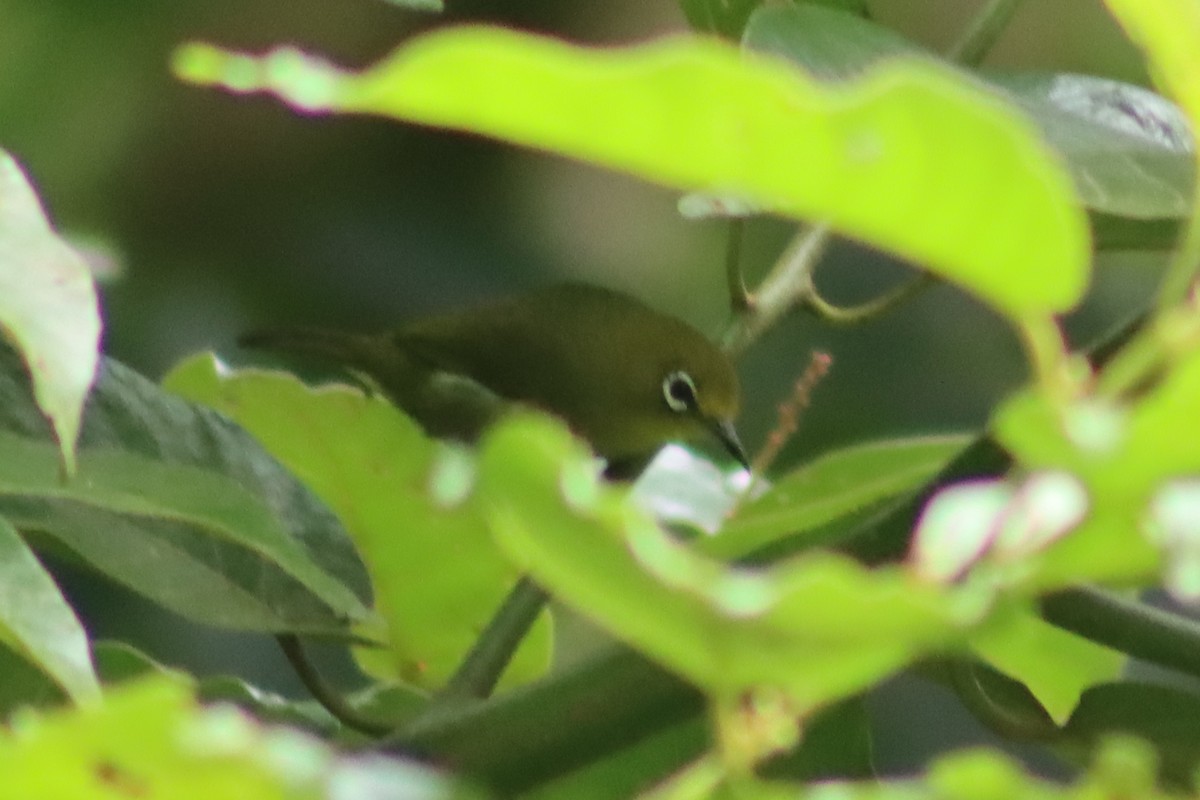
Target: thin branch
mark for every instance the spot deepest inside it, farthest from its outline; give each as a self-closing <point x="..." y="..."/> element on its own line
<point x="852" y="315"/>
<point x="982" y="32"/>
<point x="781" y="290"/>
<point x="739" y="298"/>
<point x="322" y="692"/>
<point x="483" y="665"/>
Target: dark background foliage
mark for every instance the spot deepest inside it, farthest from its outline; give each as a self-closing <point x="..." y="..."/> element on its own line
<point x="225" y="213"/>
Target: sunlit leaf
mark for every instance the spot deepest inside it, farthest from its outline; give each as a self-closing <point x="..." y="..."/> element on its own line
<point x="151" y="739"/>
<point x="1129" y="150"/>
<point x="437" y="575"/>
<point x="997" y="215"/>
<point x="48" y="306"/>
<point x="819" y="627"/>
<point x="1124" y="454"/>
<point x="37" y="621"/>
<point x="1056" y="666"/>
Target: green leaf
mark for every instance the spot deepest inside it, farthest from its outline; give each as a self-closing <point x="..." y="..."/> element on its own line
<point x="180" y="505"/>
<point x="37" y="621"/>
<point x="1056" y="666"/>
<point x="1168" y="31"/>
<point x="1000" y="218"/>
<point x="1167" y="717"/>
<point x="1128" y="150"/>
<point x="1126" y="455"/>
<point x="123" y="485"/>
<point x="48" y="306"/>
<point x="151" y="739"/>
<point x="437" y="575"/>
<point x="832" y="486"/>
<point x="826" y="42"/>
<point x="819" y="627"/>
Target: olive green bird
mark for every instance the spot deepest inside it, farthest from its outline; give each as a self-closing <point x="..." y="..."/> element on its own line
<point x="623" y="376"/>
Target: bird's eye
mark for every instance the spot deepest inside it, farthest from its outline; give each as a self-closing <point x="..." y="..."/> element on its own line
<point x="679" y="391"/>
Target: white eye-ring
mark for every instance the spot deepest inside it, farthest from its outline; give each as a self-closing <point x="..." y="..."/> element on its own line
<point x="679" y="390"/>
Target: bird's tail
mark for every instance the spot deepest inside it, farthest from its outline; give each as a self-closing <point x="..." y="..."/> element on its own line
<point x="373" y="356"/>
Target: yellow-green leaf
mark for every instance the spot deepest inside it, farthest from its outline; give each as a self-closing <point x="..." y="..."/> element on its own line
<point x="48" y="307"/>
<point x="912" y="158"/>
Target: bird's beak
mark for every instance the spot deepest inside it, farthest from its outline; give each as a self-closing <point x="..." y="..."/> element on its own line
<point x="724" y="431"/>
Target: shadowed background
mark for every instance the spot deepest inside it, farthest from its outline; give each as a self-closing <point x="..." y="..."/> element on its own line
<point x="226" y="213"/>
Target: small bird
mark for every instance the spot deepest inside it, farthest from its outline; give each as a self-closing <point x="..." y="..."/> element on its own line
<point x="623" y="376"/>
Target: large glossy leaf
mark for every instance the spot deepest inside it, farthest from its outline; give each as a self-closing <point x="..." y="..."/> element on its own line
<point x="1129" y="150"/>
<point x="819" y="627"/>
<point x="831" y="486"/>
<point x="180" y="505"/>
<point x="913" y="158"/>
<point x="48" y="306"/>
<point x="119" y="484"/>
<point x="403" y="498"/>
<point x="36" y="620"/>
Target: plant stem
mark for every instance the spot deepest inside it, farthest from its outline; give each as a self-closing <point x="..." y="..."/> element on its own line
<point x="982" y="32"/>
<point x="852" y="315"/>
<point x="329" y="698"/>
<point x="483" y="665"/>
<point x="739" y="298"/>
<point x="789" y="280"/>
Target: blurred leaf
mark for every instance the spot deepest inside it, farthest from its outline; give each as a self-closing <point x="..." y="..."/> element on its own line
<point x="1125" y="455"/>
<point x="37" y="621"/>
<point x="831" y="486"/>
<point x="48" y="306"/>
<point x="164" y="455"/>
<point x="1165" y="716"/>
<point x="645" y="761"/>
<point x="1119" y="233"/>
<point x="151" y="739"/>
<point x="818" y="628"/>
<point x="837" y="743"/>
<point x="403" y="497"/>
<point x="1128" y="149"/>
<point x="1056" y="666"/>
<point x="997" y="522"/>
<point x="828" y="43"/>
<point x="1000" y="217"/>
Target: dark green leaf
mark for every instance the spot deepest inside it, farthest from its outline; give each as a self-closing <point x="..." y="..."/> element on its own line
<point x="176" y="506"/>
<point x="1129" y="150"/>
<point x="1167" y="717"/>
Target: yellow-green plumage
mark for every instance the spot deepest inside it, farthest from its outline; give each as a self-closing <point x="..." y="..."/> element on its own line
<point x="594" y="357"/>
